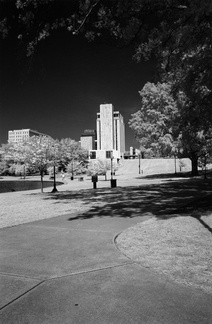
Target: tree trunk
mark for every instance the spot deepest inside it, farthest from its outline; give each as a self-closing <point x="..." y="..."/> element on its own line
<point x="41" y="178"/>
<point x="194" y="165"/>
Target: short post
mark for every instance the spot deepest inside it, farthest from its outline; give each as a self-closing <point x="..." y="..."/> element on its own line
<point x="112" y="181"/>
<point x="94" y="180"/>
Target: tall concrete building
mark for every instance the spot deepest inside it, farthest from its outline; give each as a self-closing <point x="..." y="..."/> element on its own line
<point x="88" y="139"/>
<point x="18" y="135"/>
<point x="110" y="133"/>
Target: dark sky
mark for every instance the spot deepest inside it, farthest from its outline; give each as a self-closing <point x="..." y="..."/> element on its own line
<point x="68" y="79"/>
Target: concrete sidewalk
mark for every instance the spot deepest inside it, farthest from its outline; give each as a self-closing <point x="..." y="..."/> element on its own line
<point x="68" y="270"/>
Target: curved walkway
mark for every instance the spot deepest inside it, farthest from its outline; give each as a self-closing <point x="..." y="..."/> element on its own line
<point x="67" y="270"/>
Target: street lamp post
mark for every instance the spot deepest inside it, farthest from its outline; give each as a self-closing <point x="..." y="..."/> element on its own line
<point x="139" y="163"/>
<point x="54" y="186"/>
<point x="72" y="170"/>
<point x="111" y="159"/>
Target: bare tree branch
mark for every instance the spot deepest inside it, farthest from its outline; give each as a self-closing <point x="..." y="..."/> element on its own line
<point x="86" y="17"/>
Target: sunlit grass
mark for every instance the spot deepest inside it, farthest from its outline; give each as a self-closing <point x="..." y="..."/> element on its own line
<point x="179" y="247"/>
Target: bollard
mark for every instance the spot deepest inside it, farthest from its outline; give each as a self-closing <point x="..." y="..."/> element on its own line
<point x="94" y="180"/>
<point x="113" y="183"/>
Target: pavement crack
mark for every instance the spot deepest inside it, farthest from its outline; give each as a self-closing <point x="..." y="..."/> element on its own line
<point x="19" y="276"/>
<point x="21" y="295"/>
<point x="90" y="271"/>
<point x="57" y="278"/>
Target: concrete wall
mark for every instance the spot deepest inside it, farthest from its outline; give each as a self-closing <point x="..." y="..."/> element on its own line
<point x="87" y="142"/>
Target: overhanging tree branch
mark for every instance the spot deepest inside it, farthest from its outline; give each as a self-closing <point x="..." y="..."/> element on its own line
<point x="76" y="31"/>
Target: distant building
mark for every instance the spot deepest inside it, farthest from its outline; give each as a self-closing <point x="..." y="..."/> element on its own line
<point x="18" y="135"/>
<point x="88" y="139"/>
<point x="133" y="153"/>
<point x="110" y="134"/>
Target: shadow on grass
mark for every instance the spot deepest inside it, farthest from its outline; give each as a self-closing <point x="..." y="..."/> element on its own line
<point x="166" y="175"/>
<point x="202" y="174"/>
<point x="192" y="197"/>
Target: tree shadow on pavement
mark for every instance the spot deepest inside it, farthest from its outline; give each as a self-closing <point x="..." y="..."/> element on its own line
<point x="174" y="198"/>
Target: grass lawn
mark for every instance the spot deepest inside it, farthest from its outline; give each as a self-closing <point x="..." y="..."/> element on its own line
<point x="179" y="247"/>
<point x="177" y="240"/>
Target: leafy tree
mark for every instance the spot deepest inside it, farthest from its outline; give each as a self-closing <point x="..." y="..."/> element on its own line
<point x="14" y="155"/>
<point x="4" y="168"/>
<point x="17" y="169"/>
<point x="177" y="32"/>
<point x="40" y="153"/>
<point x="164" y="125"/>
<point x="37" y="153"/>
<point x="76" y="168"/>
<point x="6" y="158"/>
<point x="50" y="171"/>
<point x="12" y="169"/>
<point x="153" y="124"/>
<point x="8" y="151"/>
<point x="203" y="162"/>
<point x="206" y="154"/>
<point x="100" y="167"/>
<point x="162" y="28"/>
<point x="195" y="128"/>
<point x="71" y="152"/>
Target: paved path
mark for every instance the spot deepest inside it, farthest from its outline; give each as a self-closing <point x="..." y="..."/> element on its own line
<point x="68" y="270"/>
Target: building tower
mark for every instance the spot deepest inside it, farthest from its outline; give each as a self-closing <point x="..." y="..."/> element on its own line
<point x="110" y="132"/>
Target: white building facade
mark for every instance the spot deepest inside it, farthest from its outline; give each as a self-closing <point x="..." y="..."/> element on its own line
<point x="19" y="135"/>
<point x="88" y="139"/>
<point x="110" y="131"/>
